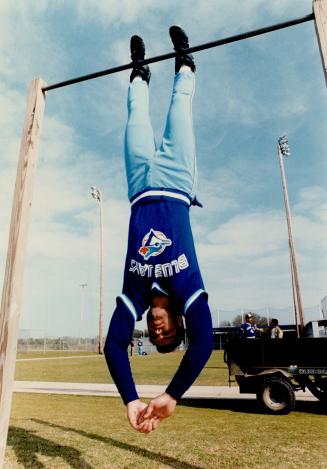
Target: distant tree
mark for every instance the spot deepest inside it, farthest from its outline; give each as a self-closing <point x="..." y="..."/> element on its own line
<point x="224" y="324"/>
<point x="237" y="321"/>
<point x="137" y="333"/>
<point x="260" y="320"/>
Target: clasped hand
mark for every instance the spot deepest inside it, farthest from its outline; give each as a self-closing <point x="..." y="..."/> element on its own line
<point x="146" y="418"/>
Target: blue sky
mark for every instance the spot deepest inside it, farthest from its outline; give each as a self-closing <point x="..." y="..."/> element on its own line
<point x="248" y="94"/>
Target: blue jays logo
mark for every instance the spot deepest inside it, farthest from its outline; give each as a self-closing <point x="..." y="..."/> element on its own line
<point x="153" y="244"/>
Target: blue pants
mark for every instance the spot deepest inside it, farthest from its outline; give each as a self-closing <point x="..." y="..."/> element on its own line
<point x="173" y="165"/>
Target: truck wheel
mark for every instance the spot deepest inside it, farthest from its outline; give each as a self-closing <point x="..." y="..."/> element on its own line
<point x="276" y="395"/>
<point x="318" y="386"/>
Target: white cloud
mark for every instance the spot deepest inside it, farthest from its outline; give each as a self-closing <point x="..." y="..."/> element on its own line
<point x="313" y="201"/>
<point x="27" y="50"/>
<point x="248" y="235"/>
<point x="246" y="260"/>
<point x="12" y="105"/>
<point x="205" y="15"/>
<point x="115" y="11"/>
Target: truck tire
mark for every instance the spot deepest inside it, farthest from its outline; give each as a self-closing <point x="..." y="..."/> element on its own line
<point x="317" y="385"/>
<point x="276" y="396"/>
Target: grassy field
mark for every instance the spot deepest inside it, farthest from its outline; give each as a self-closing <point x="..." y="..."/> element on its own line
<point x="51" y="431"/>
<point x="61" y="432"/>
<point x="53" y="354"/>
<point x="149" y="369"/>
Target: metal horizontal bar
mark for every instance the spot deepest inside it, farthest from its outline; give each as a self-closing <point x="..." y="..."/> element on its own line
<point x="171" y="55"/>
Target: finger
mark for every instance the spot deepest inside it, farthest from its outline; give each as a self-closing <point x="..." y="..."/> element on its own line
<point x="145" y="427"/>
<point x="155" y="423"/>
<point x="141" y="425"/>
<point x="148" y="425"/>
<point x="144" y="415"/>
<point x="148" y="411"/>
<point x="131" y="418"/>
<point x="133" y="423"/>
<point x="140" y="417"/>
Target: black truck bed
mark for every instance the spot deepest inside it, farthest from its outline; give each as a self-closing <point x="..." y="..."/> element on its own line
<point x="259" y="353"/>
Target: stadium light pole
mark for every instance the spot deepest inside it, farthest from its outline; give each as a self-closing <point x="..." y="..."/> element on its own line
<point x="283" y="151"/>
<point x="82" y="285"/>
<point x="97" y="195"/>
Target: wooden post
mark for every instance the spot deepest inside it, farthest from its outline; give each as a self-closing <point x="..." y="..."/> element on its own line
<point x="13" y="280"/>
<point x="320" y="12"/>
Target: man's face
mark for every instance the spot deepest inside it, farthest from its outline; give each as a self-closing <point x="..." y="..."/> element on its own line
<point x="249" y="319"/>
<point x="162" y="325"/>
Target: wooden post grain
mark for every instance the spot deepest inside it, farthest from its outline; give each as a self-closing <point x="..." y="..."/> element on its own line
<point x="320" y="12"/>
<point x="13" y="280"/>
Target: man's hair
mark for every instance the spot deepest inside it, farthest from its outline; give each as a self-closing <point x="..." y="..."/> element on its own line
<point x="248" y="316"/>
<point x="180" y="336"/>
<point x="274" y="322"/>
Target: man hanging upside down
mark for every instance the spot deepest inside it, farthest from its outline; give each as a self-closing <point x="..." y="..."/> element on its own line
<point x="162" y="275"/>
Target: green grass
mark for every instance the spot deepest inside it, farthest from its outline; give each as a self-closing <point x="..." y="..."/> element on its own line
<point x="149" y="369"/>
<point x="51" y="431"/>
<point x="53" y="354"/>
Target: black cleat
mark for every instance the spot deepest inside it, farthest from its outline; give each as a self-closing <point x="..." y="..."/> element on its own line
<point x="181" y="42"/>
<point x="137" y="54"/>
<point x="137" y="48"/>
<point x="179" y="38"/>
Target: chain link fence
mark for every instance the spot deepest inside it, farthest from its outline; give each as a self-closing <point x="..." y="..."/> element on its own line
<point x="36" y="339"/>
<point x="285" y="315"/>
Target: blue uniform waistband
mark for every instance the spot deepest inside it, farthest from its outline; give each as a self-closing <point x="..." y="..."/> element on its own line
<point x="164" y="194"/>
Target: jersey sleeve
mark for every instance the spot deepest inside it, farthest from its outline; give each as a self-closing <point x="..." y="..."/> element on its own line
<point x="116" y="351"/>
<point x="199" y="332"/>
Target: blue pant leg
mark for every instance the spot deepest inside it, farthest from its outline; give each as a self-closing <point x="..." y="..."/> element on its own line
<point x="175" y="163"/>
<point x="139" y="138"/>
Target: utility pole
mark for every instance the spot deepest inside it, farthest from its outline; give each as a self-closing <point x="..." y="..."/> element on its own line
<point x="97" y="195"/>
<point x="283" y="151"/>
<point x="81" y="319"/>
